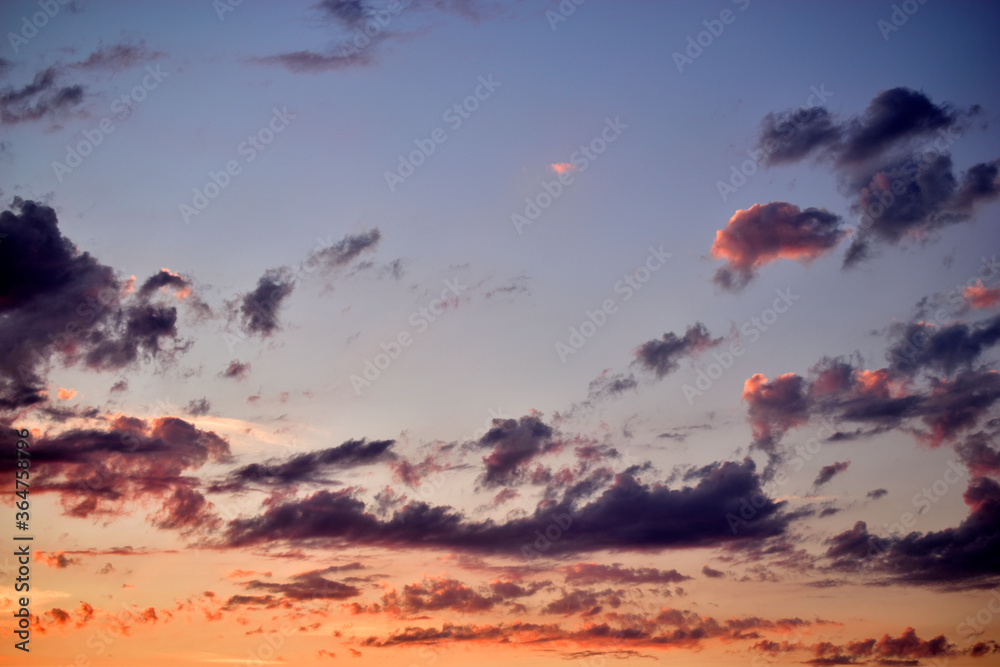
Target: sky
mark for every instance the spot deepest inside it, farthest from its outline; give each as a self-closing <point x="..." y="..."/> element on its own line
<point x="449" y="332"/>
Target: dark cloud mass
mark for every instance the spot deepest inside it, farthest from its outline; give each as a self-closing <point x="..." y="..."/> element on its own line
<point x="827" y="473"/>
<point x="514" y="443"/>
<point x="52" y="297"/>
<point x="627" y="515"/>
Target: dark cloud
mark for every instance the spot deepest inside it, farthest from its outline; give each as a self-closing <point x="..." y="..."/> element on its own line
<point x="893" y="117"/>
<point x="906" y="198"/>
<point x="585" y="574"/>
<point x="626" y="515"/>
<point x="199" y="406"/>
<point x="966" y="556"/>
<point x="712" y="573"/>
<point x="311" y="62"/>
<point x="875" y="494"/>
<point x="42" y="98"/>
<point x="345" y="251"/>
<point x="52" y="297"/>
<point x="258" y="310"/>
<point x="515" y="443"/>
<point x="906" y="649"/>
<point x="117" y="57"/>
<point x="236" y="370"/>
<point x="101" y="472"/>
<point x="164" y="278"/>
<point x="765" y="233"/>
<point x="310" y="466"/>
<point x="827" y="473"/>
<point x="792" y="135"/>
<point x="774" y="407"/>
<point x="662" y="356"/>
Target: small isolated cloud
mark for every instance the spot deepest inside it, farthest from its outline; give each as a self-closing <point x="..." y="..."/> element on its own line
<point x="236" y="370"/>
<point x="765" y="233"/>
<point x="563" y="167"/>
<point x="827" y="473"/>
<point x="663" y="355"/>
<point x="65" y="394"/>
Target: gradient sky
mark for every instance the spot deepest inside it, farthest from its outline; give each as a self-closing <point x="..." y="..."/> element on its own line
<point x="570" y="332"/>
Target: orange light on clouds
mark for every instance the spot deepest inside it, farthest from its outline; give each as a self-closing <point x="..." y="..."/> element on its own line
<point x="980" y="297"/>
<point x="65" y="394"/>
<point x="563" y="167"/>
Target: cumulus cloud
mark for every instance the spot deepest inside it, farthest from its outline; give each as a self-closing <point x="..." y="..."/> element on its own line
<point x="765" y="233"/>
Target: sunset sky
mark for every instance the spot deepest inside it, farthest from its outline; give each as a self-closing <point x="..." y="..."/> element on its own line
<point x="451" y="332"/>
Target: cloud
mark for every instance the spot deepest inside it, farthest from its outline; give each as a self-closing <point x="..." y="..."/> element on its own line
<point x="515" y="443"/>
<point x="58" y="560"/>
<point x="875" y="494"/>
<point x="892" y="161"/>
<point x="311" y="585"/>
<point x="903" y="650"/>
<point x="920" y="346"/>
<point x="712" y="573"/>
<point x="101" y="472"/>
<point x="585" y="574"/>
<point x="827" y="473"/>
<point x="258" y="309"/>
<point x="774" y="407"/>
<point x="662" y="356"/>
<point x="40" y="99"/>
<point x="907" y="198"/>
<point x="792" y="135"/>
<point x="979" y="297"/>
<point x="52" y="298"/>
<point x="198" y="407"/>
<point x="165" y="278"/>
<point x="959" y="557"/>
<point x="765" y="233"/>
<point x="345" y="251"/>
<point x="627" y="515"/>
<point x="563" y="167"/>
<point x="893" y="117"/>
<point x="117" y="57"/>
<point x="310" y="466"/>
<point x="236" y="370"/>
